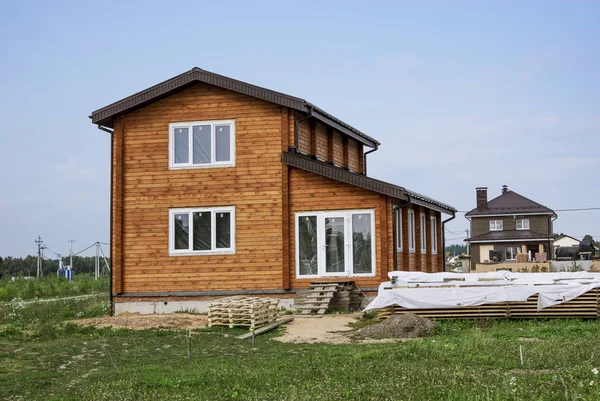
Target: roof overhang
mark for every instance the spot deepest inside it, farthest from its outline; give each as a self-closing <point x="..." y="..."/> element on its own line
<point x="507" y="240"/>
<point x="359" y="180"/>
<point x="105" y="116"/>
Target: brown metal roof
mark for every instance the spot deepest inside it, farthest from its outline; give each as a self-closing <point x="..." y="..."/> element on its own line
<point x="517" y="235"/>
<point x="339" y="174"/>
<point x="511" y="203"/>
<point x="105" y="115"/>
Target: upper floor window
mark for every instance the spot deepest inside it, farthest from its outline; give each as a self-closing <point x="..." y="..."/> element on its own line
<point x="411" y="230"/>
<point x="399" y="230"/>
<point x="423" y="233"/>
<point x="202" y="231"/>
<point x="496" y="225"/>
<point x="433" y="235"/>
<point x="522" y="224"/>
<point x="202" y="144"/>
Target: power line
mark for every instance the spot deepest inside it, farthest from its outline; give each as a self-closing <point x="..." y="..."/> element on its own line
<point x="83" y="250"/>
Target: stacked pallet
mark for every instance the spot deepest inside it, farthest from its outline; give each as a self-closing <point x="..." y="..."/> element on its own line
<point x="355" y="299"/>
<point x="242" y="311"/>
<point x="318" y="298"/>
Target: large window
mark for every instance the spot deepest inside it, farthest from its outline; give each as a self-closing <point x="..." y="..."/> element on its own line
<point x="202" y="231"/>
<point x="335" y="243"/>
<point x="411" y="230"/>
<point x="512" y="252"/>
<point x="202" y="144"/>
<point x="522" y="224"/>
<point x="423" y="233"/>
<point x="399" y="229"/>
<point x="496" y="225"/>
<point x="433" y="235"/>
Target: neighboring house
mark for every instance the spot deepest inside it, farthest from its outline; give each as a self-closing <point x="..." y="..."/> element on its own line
<point x="508" y="225"/>
<point x="565" y="240"/>
<point x="220" y="187"/>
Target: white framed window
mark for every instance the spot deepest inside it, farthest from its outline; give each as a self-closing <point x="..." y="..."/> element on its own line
<point x="335" y="243"/>
<point x="512" y="252"/>
<point x="423" y="232"/>
<point x="433" y="235"/>
<point x="496" y="225"/>
<point x="411" y="230"/>
<point x="399" y="229"/>
<point x="202" y="144"/>
<point x="202" y="231"/>
<point x="522" y="224"/>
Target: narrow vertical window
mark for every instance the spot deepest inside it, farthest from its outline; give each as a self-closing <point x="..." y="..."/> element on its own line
<point x="411" y="230"/>
<point x="182" y="145"/>
<point x="423" y="233"/>
<point x="222" y="143"/>
<point x="307" y="245"/>
<point x="202" y="231"/>
<point x="223" y="223"/>
<point x="362" y="254"/>
<point x="399" y="230"/>
<point x="202" y="144"/>
<point x="433" y="235"/>
<point x="182" y="230"/>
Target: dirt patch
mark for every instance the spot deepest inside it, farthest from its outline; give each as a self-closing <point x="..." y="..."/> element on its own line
<point x="407" y="325"/>
<point x="136" y="321"/>
<point x="330" y="329"/>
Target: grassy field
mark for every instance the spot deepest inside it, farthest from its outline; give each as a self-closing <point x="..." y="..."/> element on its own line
<point x="43" y="357"/>
<point x="51" y="286"/>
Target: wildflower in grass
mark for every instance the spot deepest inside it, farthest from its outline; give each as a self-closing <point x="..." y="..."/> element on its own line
<point x="595" y="371"/>
<point x="592" y="383"/>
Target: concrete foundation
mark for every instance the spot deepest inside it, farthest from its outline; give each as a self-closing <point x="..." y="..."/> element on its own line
<point x="162" y="307"/>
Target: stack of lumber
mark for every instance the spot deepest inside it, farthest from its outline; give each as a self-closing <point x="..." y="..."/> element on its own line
<point x="355" y="299"/>
<point x="586" y="305"/>
<point x="341" y="298"/>
<point x="242" y="311"/>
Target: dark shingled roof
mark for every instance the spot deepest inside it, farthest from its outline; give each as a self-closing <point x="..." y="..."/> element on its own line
<point x="511" y="203"/>
<point x="518" y="235"/>
<point x="105" y="116"/>
<point x="339" y="174"/>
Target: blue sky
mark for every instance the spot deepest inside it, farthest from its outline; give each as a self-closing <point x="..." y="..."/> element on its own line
<point x="460" y="94"/>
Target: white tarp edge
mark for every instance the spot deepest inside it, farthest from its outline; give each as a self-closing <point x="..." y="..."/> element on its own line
<point x="553" y="289"/>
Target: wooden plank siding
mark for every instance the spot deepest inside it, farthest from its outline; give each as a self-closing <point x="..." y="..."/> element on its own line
<point x="311" y="192"/>
<point x="255" y="186"/>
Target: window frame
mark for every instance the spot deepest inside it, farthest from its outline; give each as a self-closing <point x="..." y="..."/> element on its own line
<point x="522" y="226"/>
<point x="348" y="231"/>
<point x="433" y="235"/>
<point x="496" y="225"/>
<point x="399" y="230"/>
<point x="213" y="232"/>
<point x="423" y="225"/>
<point x="213" y="145"/>
<point x="411" y="230"/>
<point x="517" y="250"/>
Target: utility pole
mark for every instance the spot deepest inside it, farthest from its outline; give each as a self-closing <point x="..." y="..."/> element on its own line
<point x="39" y="243"/>
<point x="71" y="253"/>
<point x="97" y="261"/>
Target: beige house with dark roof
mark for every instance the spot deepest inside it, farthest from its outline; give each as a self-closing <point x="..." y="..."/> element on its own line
<point x="509" y="228"/>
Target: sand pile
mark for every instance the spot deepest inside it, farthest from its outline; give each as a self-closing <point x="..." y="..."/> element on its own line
<point x="136" y="321"/>
<point x="406" y="325"/>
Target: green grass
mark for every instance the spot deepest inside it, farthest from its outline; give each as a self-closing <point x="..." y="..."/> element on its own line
<point x="42" y="357"/>
<point x="52" y="287"/>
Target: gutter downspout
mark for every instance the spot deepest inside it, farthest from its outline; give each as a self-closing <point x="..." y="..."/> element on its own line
<point x="296" y="124"/>
<point x="365" y="158"/>
<point x="444" y="240"/>
<point x="110" y="291"/>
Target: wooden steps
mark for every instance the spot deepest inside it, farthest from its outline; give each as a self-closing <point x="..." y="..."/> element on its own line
<point x="320" y="297"/>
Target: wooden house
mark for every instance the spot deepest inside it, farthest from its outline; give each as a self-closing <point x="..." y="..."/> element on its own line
<point x="220" y="187"/>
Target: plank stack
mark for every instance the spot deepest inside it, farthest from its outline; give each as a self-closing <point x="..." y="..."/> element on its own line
<point x="320" y="297"/>
<point x="242" y="311"/>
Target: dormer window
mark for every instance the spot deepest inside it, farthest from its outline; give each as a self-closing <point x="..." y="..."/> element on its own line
<point x="202" y="144"/>
<point x="522" y="224"/>
<point x="496" y="225"/>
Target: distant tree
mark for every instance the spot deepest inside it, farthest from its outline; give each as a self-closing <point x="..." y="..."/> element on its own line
<point x="455" y="249"/>
<point x="27" y="266"/>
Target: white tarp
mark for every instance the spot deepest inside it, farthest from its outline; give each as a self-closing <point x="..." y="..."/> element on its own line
<point x="416" y="290"/>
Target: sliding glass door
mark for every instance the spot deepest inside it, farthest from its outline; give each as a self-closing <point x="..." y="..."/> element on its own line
<point x="337" y="243"/>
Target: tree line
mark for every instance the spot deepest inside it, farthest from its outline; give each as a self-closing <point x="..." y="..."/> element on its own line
<point x="27" y="266"/>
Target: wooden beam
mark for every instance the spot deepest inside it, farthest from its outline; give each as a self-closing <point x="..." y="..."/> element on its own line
<point x="267" y="328"/>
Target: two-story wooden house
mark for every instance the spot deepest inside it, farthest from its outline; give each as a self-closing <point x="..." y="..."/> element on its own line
<point x="220" y="187"/>
<point x="507" y="226"/>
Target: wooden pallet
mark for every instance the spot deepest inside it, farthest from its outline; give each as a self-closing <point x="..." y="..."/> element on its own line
<point x="318" y="298"/>
<point x="242" y="311"/>
<point x="585" y="306"/>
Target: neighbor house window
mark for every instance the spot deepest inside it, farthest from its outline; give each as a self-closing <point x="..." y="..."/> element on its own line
<point x="411" y="230"/>
<point x="522" y="224"/>
<point x="202" y="231"/>
<point x="496" y="225"/>
<point x="433" y="235"/>
<point x="423" y="233"/>
<point x="399" y="229"/>
<point x="512" y="252"/>
<point x="202" y="144"/>
<point x="335" y="243"/>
